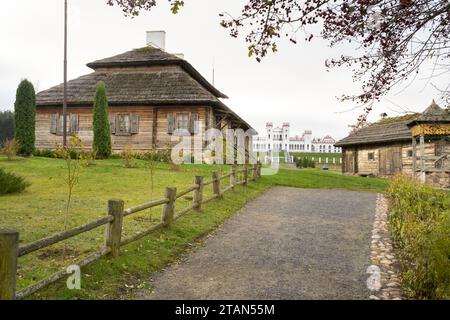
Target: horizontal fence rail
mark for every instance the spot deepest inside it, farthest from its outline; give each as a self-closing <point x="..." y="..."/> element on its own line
<point x="46" y="242"/>
<point x="113" y="222"/>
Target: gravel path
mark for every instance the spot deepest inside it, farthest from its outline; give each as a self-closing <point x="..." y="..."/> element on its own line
<point x="288" y="244"/>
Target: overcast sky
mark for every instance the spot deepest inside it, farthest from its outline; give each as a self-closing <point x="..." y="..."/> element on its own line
<point x="290" y="86"/>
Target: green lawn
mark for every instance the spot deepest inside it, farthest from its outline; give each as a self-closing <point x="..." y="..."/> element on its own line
<point x="317" y="155"/>
<point x="38" y="212"/>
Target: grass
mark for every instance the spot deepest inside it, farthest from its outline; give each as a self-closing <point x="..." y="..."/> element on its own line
<point x="38" y="212"/>
<point x="317" y="155"/>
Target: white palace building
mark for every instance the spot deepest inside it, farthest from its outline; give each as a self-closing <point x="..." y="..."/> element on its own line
<point x="279" y="140"/>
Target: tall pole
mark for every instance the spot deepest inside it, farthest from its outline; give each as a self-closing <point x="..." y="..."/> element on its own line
<point x="65" y="78"/>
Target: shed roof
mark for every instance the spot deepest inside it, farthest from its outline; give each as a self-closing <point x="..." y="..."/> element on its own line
<point x="395" y="129"/>
<point x="378" y="133"/>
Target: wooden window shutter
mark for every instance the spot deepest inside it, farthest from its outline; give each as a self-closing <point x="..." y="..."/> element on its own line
<point x="112" y="123"/>
<point x="60" y="125"/>
<point x="170" y="123"/>
<point x="73" y="123"/>
<point x="54" y="123"/>
<point x="194" y="123"/>
<point x="134" y="128"/>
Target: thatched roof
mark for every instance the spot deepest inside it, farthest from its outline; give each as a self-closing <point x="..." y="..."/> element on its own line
<point x="150" y="56"/>
<point x="151" y="88"/>
<point x="378" y="133"/>
<point x="395" y="129"/>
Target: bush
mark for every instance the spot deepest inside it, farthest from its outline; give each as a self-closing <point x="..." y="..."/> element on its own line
<point x="420" y="223"/>
<point x="156" y="156"/>
<point x="102" y="131"/>
<point x="10" y="148"/>
<point x="24" y="117"/>
<point x="11" y="183"/>
<point x="129" y="158"/>
<point x="304" y="162"/>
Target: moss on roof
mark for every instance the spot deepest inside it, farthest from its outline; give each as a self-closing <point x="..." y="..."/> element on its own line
<point x="409" y="116"/>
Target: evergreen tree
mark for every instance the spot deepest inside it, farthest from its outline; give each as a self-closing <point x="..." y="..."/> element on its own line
<point x="6" y="126"/>
<point x="24" y="117"/>
<point x="102" y="131"/>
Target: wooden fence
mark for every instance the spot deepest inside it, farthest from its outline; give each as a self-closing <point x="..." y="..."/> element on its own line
<point x="10" y="250"/>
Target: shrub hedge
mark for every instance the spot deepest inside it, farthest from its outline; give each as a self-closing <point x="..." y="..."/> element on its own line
<point x="156" y="156"/>
<point x="304" y="162"/>
<point x="420" y="224"/>
<point x="11" y="183"/>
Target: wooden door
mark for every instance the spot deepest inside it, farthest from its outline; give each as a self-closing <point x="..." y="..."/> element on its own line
<point x="396" y="160"/>
<point x="349" y="162"/>
<point x="390" y="160"/>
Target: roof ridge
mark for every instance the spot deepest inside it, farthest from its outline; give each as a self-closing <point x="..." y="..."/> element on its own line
<point x="150" y="56"/>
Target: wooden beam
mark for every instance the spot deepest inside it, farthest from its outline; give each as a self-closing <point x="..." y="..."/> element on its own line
<point x="113" y="233"/>
<point x="422" y="152"/>
<point x="198" y="193"/>
<point x="154" y="128"/>
<point x="414" y="156"/>
<point x="9" y="245"/>
<point x="169" y="208"/>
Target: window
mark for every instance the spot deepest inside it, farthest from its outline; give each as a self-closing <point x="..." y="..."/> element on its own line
<point x="194" y="123"/>
<point x="57" y="123"/>
<point x="182" y="121"/>
<point x="123" y="124"/>
<point x="371" y="156"/>
<point x="410" y="153"/>
<point x="61" y="123"/>
<point x="187" y="122"/>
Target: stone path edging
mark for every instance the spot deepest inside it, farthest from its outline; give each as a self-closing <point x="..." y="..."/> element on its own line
<point x="382" y="256"/>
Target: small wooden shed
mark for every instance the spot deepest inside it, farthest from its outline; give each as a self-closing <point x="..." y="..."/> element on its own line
<point x="418" y="145"/>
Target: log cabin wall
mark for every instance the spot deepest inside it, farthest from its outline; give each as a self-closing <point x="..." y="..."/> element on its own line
<point x="386" y="160"/>
<point x="148" y="135"/>
<point x="368" y="161"/>
<point x="163" y="138"/>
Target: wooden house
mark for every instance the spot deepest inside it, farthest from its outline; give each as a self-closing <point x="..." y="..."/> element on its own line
<point x="417" y="145"/>
<point x="151" y="93"/>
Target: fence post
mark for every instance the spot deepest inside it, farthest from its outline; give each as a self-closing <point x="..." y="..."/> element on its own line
<point x="168" y="209"/>
<point x="198" y="193"/>
<point x="255" y="172"/>
<point x="9" y="246"/>
<point x="245" y="175"/>
<point x="216" y="184"/>
<point x="259" y="169"/>
<point x="113" y="233"/>
<point x="233" y="177"/>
